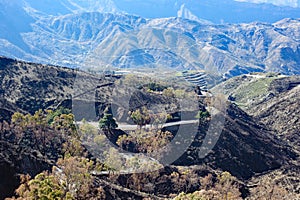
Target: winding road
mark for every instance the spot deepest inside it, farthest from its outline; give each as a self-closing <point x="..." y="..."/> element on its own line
<point x="130" y="127"/>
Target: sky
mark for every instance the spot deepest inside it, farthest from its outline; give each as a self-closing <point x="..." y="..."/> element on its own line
<point x="291" y="3"/>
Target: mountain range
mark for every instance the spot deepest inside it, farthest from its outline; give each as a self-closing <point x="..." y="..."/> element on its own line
<point x="88" y="34"/>
<point x="228" y="11"/>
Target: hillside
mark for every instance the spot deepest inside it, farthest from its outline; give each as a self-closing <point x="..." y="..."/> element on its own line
<point x="28" y="87"/>
<point x="271" y="98"/>
<point x="281" y="112"/>
<point x="249" y="90"/>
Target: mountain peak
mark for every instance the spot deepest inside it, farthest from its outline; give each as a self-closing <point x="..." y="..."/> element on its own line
<point x="185" y="13"/>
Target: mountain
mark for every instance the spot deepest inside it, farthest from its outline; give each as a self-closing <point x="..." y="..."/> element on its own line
<point x="227" y="11"/>
<point x="281" y="112"/>
<point x="28" y="87"/>
<point x="66" y="34"/>
<point x="224" y="49"/>
<point x="292" y="3"/>
<point x="244" y="148"/>
<point x="76" y="34"/>
<point x="100" y="40"/>
<point x="273" y="101"/>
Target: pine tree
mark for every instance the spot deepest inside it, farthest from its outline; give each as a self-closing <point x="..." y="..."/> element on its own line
<point x="107" y="122"/>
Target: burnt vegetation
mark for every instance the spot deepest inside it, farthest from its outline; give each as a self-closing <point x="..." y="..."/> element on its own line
<point x="47" y="154"/>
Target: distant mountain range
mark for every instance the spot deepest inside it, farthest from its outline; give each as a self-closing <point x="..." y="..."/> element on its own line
<point x="77" y="35"/>
<point x="291" y="3"/>
<point x="227" y="11"/>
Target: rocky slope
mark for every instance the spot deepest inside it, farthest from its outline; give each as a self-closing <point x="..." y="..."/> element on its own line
<point x="16" y="160"/>
<point x="240" y="146"/>
<point x="274" y="101"/>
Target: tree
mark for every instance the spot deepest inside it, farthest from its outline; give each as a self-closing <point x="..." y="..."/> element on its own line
<point x="140" y="116"/>
<point x="70" y="180"/>
<point x="64" y="123"/>
<point x="150" y="142"/>
<point x="270" y="187"/>
<point x="107" y="122"/>
<point x="73" y="174"/>
<point x="73" y="147"/>
<point x="202" y="115"/>
<point x="193" y="196"/>
<point x="113" y="159"/>
<point x="226" y="185"/>
<point x="87" y="131"/>
<point x="34" y="131"/>
<point x="52" y="114"/>
<point x="43" y="186"/>
<point x="169" y="92"/>
<point x="19" y="119"/>
<point x="225" y="188"/>
<point x="153" y="86"/>
<point x="207" y="182"/>
<point x="160" y="119"/>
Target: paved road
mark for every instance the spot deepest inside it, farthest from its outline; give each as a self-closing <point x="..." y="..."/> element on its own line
<point x="129" y="127"/>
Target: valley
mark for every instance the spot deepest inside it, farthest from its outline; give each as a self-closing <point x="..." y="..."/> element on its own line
<point x="244" y="140"/>
<point x="171" y="99"/>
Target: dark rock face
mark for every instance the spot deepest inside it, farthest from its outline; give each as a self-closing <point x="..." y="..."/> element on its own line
<point x="284" y="84"/>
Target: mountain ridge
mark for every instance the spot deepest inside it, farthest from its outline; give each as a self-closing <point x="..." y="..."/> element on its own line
<point x="106" y="40"/>
<point x="125" y="41"/>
